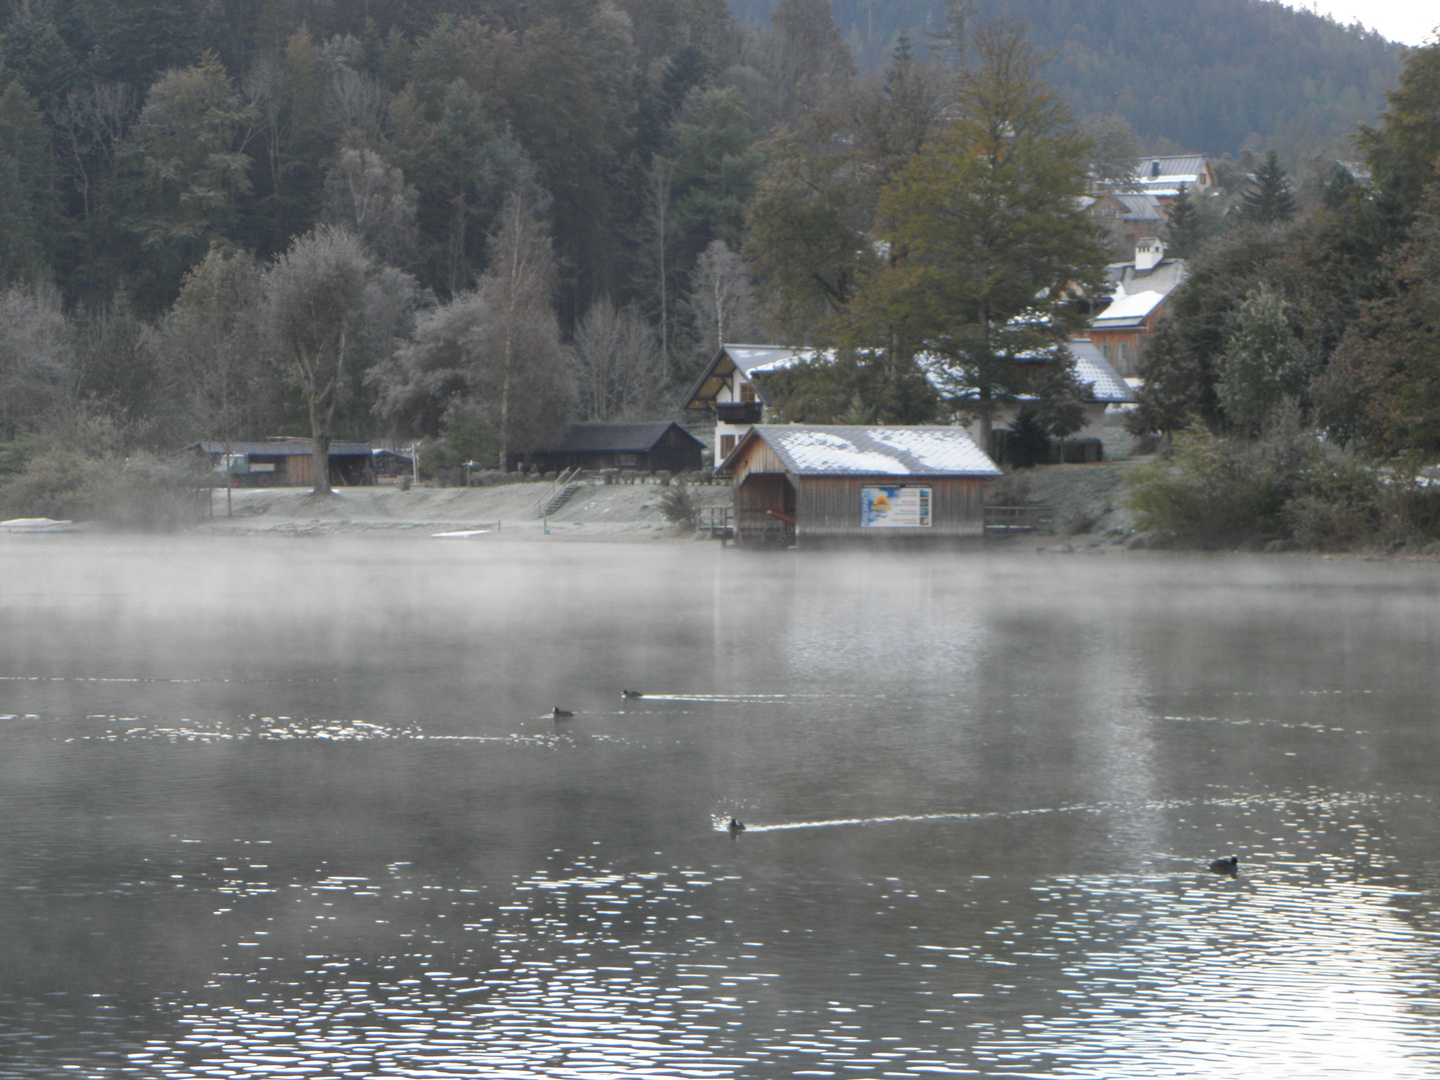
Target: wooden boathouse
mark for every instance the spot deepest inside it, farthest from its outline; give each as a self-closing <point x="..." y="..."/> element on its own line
<point x="811" y="485"/>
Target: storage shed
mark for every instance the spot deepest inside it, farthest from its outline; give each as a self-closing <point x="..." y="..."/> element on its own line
<point x="285" y="462"/>
<point x="648" y="448"/>
<point x="811" y="485"/>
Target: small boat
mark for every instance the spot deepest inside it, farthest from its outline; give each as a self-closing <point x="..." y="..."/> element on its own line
<point x="1230" y="866"/>
<point x="562" y="714"/>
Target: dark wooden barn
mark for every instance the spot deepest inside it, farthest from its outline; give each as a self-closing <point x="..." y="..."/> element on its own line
<point x="812" y="485"/>
<point x="647" y="448"/>
<point x="285" y="462"/>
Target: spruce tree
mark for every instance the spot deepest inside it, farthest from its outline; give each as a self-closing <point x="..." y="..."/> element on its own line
<point x="1184" y="229"/>
<point x="1269" y="200"/>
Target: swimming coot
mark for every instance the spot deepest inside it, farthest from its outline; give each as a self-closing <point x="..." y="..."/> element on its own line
<point x="1229" y="866"/>
<point x="562" y="714"/>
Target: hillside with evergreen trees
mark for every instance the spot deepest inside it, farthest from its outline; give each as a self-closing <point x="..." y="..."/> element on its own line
<point x="1215" y="76"/>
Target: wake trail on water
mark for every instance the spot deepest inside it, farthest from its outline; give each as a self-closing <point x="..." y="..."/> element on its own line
<point x="721" y="822"/>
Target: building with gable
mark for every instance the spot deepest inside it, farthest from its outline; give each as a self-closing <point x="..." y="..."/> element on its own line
<point x="810" y="484"/>
<point x="729" y="389"/>
<point x="662" y="446"/>
<point x="1164" y="177"/>
<point x="1139" y="291"/>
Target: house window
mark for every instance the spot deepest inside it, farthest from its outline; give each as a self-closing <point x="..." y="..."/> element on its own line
<point x="747" y="392"/>
<point x="1121" y="353"/>
<point x="727" y="444"/>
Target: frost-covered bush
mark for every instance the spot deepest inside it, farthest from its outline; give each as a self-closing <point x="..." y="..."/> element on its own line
<point x="680" y="505"/>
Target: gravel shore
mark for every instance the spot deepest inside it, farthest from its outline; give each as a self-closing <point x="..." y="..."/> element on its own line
<point x="618" y="512"/>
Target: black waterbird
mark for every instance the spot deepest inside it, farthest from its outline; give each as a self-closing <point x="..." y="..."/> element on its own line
<point x="632" y="693"/>
<point x="562" y="714"/>
<point x="1230" y="866"/>
<point x="736" y="826"/>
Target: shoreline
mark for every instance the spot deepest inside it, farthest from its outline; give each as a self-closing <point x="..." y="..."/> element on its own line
<point x="596" y="512"/>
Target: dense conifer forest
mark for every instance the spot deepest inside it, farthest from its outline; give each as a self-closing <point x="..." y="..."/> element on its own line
<point x="1212" y="76"/>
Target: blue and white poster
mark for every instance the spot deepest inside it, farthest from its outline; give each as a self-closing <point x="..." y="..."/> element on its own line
<point x="894" y="507"/>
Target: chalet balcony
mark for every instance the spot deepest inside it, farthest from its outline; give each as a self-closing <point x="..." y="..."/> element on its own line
<point x="738" y="412"/>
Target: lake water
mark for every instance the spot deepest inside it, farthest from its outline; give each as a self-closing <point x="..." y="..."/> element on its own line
<point x="293" y="808"/>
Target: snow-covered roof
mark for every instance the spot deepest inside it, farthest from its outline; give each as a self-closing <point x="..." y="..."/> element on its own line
<point x="1166" y="175"/>
<point x="748" y="360"/>
<point x="1087" y="361"/>
<point x="828" y="450"/>
<point x="1092" y="369"/>
<point x="1137" y="293"/>
<point x="758" y="359"/>
<point x="1129" y="309"/>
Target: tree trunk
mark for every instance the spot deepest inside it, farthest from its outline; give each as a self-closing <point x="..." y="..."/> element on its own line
<point x="320" y="459"/>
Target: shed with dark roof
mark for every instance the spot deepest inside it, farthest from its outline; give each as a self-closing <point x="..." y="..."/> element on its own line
<point x="811" y="484"/>
<point x="284" y="461"/>
<point x="653" y="447"/>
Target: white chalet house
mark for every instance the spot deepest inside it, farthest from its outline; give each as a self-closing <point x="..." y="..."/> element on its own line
<point x="728" y="389"/>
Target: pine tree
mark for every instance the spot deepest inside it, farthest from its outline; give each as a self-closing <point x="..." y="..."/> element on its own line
<point x="1184" y="229"/>
<point x="1269" y="201"/>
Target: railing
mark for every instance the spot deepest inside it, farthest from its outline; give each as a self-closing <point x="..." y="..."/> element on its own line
<point x="718" y="521"/>
<point x="566" y="475"/>
<point x="739" y="412"/>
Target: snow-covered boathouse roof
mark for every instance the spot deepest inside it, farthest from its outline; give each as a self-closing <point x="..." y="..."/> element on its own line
<point x="838" y="450"/>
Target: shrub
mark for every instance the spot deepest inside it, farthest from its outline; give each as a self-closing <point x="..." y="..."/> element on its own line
<point x="139" y="492"/>
<point x="1341" y="505"/>
<point x="680" y="505"/>
<point x="1288" y="485"/>
<point x="1213" y="492"/>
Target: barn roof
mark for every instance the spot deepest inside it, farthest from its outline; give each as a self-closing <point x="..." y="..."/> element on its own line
<point x="834" y="450"/>
<point x="618" y="438"/>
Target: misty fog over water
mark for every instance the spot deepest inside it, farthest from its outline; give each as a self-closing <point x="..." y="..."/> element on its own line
<point x="286" y="807"/>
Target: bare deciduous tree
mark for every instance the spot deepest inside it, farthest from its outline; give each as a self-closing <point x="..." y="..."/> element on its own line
<point x="37" y="356"/>
<point x="372" y="200"/>
<point x="356" y="102"/>
<point x="212" y="345"/>
<point x="723" y="299"/>
<point x="523" y="371"/>
<point x="620" y="370"/>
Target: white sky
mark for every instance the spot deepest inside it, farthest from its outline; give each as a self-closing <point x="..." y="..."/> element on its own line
<point x="1409" y="21"/>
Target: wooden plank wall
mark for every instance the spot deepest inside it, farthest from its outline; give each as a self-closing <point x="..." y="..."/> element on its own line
<point x="828" y="508"/>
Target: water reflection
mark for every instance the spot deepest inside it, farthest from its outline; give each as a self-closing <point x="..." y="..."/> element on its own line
<point x="309" y="829"/>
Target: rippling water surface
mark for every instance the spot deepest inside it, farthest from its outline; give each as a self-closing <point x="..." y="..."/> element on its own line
<point x="285" y="808"/>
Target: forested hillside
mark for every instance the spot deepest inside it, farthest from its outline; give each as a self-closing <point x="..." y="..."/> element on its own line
<point x="464" y="225"/>
<point x="1206" y="75"/>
